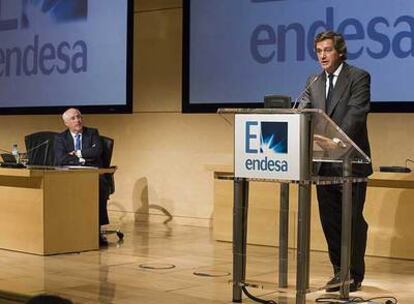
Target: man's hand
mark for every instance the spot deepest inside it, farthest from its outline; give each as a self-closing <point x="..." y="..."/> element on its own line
<point x="328" y="144"/>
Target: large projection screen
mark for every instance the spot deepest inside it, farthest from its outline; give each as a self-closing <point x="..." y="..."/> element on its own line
<point x="237" y="51"/>
<point x="56" y="54"/>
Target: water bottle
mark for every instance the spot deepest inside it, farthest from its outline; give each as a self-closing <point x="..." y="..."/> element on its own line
<point x="15" y="152"/>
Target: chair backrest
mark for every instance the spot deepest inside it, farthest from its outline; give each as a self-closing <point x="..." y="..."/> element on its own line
<point x="39" y="148"/>
<point x="107" y="149"/>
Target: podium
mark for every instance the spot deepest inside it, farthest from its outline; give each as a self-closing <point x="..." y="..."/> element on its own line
<point x="283" y="145"/>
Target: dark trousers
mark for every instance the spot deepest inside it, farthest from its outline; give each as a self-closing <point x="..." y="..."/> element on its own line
<point x="103" y="199"/>
<point x="330" y="210"/>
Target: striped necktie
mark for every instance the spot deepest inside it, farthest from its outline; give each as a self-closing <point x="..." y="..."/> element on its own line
<point x="77" y="142"/>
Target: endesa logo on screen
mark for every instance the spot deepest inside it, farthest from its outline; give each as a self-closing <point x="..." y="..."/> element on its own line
<point x="57" y="11"/>
<point x="38" y="46"/>
<point x="265" y="147"/>
<point x="378" y="34"/>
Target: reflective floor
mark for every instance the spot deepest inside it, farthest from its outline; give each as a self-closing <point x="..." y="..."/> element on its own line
<point x="160" y="263"/>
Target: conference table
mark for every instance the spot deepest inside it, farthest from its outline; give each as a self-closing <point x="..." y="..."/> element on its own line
<point x="49" y="210"/>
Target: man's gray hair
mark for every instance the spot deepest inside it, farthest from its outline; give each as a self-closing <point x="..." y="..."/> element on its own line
<point x="65" y="114"/>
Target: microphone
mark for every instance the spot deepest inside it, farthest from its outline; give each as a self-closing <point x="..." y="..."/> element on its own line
<point x="300" y="96"/>
<point x="30" y="156"/>
<point x="5" y="151"/>
<point x="37" y="146"/>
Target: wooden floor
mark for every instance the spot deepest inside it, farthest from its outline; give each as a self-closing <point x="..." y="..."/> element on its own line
<point x="116" y="274"/>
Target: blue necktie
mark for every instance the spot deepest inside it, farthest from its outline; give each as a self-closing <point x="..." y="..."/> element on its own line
<point x="77" y="142"/>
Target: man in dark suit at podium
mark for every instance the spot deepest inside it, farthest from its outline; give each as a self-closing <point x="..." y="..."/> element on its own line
<point x="78" y="146"/>
<point x="343" y="92"/>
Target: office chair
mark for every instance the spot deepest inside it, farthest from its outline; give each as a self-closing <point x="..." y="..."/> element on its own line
<point x="107" y="149"/>
<point x="39" y="148"/>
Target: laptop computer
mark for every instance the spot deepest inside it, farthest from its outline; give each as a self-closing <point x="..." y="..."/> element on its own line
<point x="9" y="161"/>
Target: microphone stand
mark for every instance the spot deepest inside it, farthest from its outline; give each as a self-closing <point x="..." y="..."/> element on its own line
<point x="300" y="97"/>
<point x="39" y="145"/>
<point x="5" y="151"/>
<point x="46" y="142"/>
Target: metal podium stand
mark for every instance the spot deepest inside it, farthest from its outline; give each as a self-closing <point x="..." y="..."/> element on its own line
<point x="329" y="144"/>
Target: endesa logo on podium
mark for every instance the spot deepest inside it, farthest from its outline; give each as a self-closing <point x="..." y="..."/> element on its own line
<point x="267" y="146"/>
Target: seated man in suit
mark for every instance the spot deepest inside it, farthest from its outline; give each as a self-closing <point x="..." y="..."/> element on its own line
<point x="79" y="145"/>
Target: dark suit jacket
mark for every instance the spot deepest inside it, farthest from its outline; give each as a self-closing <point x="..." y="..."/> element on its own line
<point x="349" y="108"/>
<point x="91" y="148"/>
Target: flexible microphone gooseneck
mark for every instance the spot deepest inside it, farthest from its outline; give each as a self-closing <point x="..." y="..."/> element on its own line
<point x="43" y="143"/>
<point x="300" y="96"/>
<point x="6" y="151"/>
<point x="37" y="146"/>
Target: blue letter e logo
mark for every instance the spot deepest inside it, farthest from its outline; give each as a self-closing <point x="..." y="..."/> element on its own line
<point x="7" y="24"/>
<point x="250" y="135"/>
